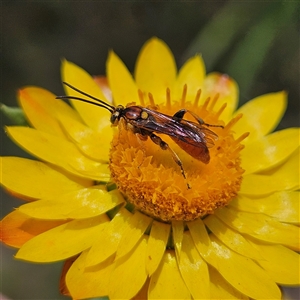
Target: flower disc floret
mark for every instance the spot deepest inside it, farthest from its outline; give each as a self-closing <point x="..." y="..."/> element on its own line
<point x="153" y="182"/>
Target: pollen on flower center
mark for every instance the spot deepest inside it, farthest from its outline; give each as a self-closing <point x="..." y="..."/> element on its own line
<point x="150" y="178"/>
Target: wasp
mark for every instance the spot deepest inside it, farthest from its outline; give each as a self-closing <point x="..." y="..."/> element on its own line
<point x="193" y="137"/>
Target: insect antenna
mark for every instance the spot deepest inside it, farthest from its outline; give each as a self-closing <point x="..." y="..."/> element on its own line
<point x="99" y="102"/>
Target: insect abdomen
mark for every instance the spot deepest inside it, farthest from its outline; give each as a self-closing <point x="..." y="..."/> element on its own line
<point x="200" y="153"/>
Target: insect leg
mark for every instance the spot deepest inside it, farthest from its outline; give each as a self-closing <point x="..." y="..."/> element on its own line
<point x="180" y="114"/>
<point x="164" y="146"/>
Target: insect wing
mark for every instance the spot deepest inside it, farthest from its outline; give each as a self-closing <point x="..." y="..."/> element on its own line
<point x="186" y="131"/>
<point x="208" y="137"/>
<point x="161" y="123"/>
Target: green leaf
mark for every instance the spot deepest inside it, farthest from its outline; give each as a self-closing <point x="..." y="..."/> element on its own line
<point x="15" y="114"/>
<point x="219" y="34"/>
<point x="247" y="58"/>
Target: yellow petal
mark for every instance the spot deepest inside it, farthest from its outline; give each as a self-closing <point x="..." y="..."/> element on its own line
<point x="41" y="180"/>
<point x="166" y="282"/>
<point x="281" y="263"/>
<point x="94" y="144"/>
<point x="62" y="281"/>
<point x="261" y="227"/>
<point x="221" y="289"/>
<point x="63" y="241"/>
<point x="95" y="117"/>
<point x="192" y="74"/>
<point x="110" y="237"/>
<point x="102" y="82"/>
<point x="122" y="84"/>
<point x="80" y="204"/>
<point x="138" y="224"/>
<point x="157" y="245"/>
<point x="260" y="185"/>
<point x="283" y="206"/>
<point x="177" y="231"/>
<point x="269" y="151"/>
<point x="200" y="236"/>
<point x="283" y="177"/>
<point x="226" y="89"/>
<point x="143" y="292"/>
<point x="89" y="282"/>
<point x="261" y="115"/>
<point x="16" y="228"/>
<point x="155" y="69"/>
<point x="193" y="269"/>
<point x="129" y="274"/>
<point x="41" y="108"/>
<point x="241" y="272"/>
<point x="231" y="238"/>
<point x="59" y="152"/>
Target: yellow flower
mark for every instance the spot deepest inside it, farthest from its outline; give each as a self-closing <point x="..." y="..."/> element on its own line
<point x="119" y="209"/>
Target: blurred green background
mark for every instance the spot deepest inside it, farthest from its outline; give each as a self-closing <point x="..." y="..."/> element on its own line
<point x="257" y="43"/>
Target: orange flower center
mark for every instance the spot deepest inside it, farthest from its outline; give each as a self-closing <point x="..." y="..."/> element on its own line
<point x="153" y="182"/>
